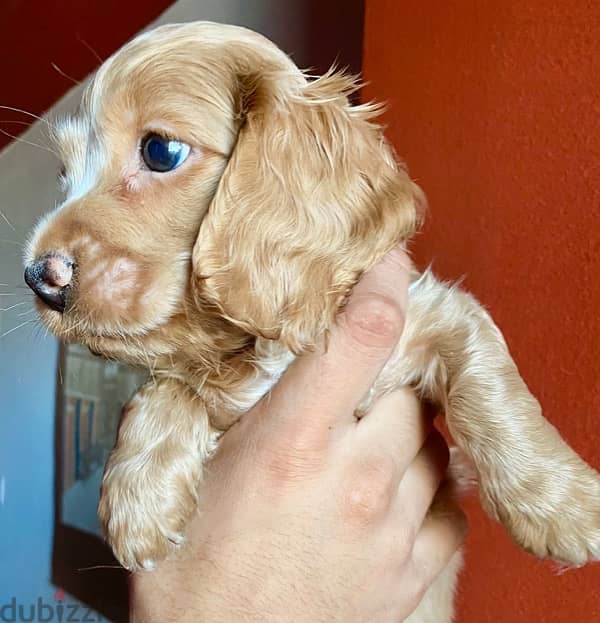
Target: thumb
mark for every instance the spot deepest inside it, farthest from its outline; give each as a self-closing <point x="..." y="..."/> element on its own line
<point x="326" y="385"/>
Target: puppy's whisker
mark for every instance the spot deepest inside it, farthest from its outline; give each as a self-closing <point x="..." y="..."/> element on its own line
<point x="19" y="290"/>
<point x="26" y="142"/>
<point x="64" y="74"/>
<point x="8" y="294"/>
<point x="73" y="328"/>
<point x="83" y="321"/>
<point x="16" y="122"/>
<point x="15" y="328"/>
<point x="5" y="218"/>
<point x="7" y="241"/>
<point x="25" y="112"/>
<point x="37" y="330"/>
<point x="5" y="309"/>
<point x="100" y="567"/>
<point x="25" y="313"/>
<point x="91" y="49"/>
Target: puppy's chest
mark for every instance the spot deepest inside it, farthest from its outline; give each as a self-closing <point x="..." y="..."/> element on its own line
<point x="272" y="361"/>
<point x="414" y="362"/>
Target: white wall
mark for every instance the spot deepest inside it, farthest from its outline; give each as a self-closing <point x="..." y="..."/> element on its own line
<point x="315" y="35"/>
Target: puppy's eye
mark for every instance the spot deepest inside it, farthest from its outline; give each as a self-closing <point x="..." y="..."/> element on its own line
<point x="163" y="154"/>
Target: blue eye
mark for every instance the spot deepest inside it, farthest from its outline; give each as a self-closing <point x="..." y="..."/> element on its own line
<point x="163" y="154"/>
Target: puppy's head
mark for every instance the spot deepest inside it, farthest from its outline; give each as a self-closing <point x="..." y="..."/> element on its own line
<point x="210" y="188"/>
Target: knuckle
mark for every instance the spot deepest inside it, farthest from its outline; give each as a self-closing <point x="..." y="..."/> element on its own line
<point x="284" y="467"/>
<point x="375" y="320"/>
<point x="367" y="493"/>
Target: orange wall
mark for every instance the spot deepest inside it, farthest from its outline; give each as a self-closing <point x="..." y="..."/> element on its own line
<point x="496" y="108"/>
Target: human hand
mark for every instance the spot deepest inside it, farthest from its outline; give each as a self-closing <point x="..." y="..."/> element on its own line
<point x="307" y="513"/>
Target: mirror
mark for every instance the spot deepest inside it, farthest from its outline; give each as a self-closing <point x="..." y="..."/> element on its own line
<point x="94" y="392"/>
<point x="91" y="392"/>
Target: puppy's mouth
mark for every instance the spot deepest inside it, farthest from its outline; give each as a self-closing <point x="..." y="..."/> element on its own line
<point x="72" y="324"/>
<point x="127" y="346"/>
<point x="130" y="301"/>
<point x="110" y="300"/>
<point x="134" y="341"/>
<point x="120" y="341"/>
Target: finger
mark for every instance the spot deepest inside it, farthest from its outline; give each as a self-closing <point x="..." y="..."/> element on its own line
<point x="324" y="387"/>
<point x="395" y="427"/>
<point x="441" y="536"/>
<point x="422" y="478"/>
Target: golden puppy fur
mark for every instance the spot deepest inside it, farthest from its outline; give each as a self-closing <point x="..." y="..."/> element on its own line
<point x="216" y="274"/>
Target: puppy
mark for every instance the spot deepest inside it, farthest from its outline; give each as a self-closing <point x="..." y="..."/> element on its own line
<point x="219" y="207"/>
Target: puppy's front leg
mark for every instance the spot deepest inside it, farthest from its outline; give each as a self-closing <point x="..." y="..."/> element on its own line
<point x="150" y="483"/>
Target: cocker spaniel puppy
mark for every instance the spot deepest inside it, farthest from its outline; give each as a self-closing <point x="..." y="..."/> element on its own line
<point x="220" y="206"/>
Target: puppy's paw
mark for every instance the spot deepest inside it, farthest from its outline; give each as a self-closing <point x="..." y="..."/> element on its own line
<point x="149" y="490"/>
<point x="143" y="510"/>
<point x="555" y="516"/>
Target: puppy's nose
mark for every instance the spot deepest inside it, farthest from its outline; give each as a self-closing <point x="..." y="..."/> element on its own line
<point x="49" y="277"/>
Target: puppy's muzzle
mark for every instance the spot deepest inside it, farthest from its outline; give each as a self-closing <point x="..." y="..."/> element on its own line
<point x="50" y="278"/>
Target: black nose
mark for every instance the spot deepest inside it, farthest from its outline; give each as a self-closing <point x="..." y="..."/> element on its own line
<point x="50" y="278"/>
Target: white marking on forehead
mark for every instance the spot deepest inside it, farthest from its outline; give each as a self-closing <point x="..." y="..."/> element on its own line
<point x="84" y="155"/>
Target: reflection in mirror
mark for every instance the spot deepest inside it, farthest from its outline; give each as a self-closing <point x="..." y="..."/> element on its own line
<point x="94" y="392"/>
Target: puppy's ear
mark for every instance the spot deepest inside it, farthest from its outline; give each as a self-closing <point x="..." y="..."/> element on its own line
<point x="311" y="198"/>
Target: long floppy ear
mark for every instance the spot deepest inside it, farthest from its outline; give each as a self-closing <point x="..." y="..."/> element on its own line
<point x="311" y="198"/>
